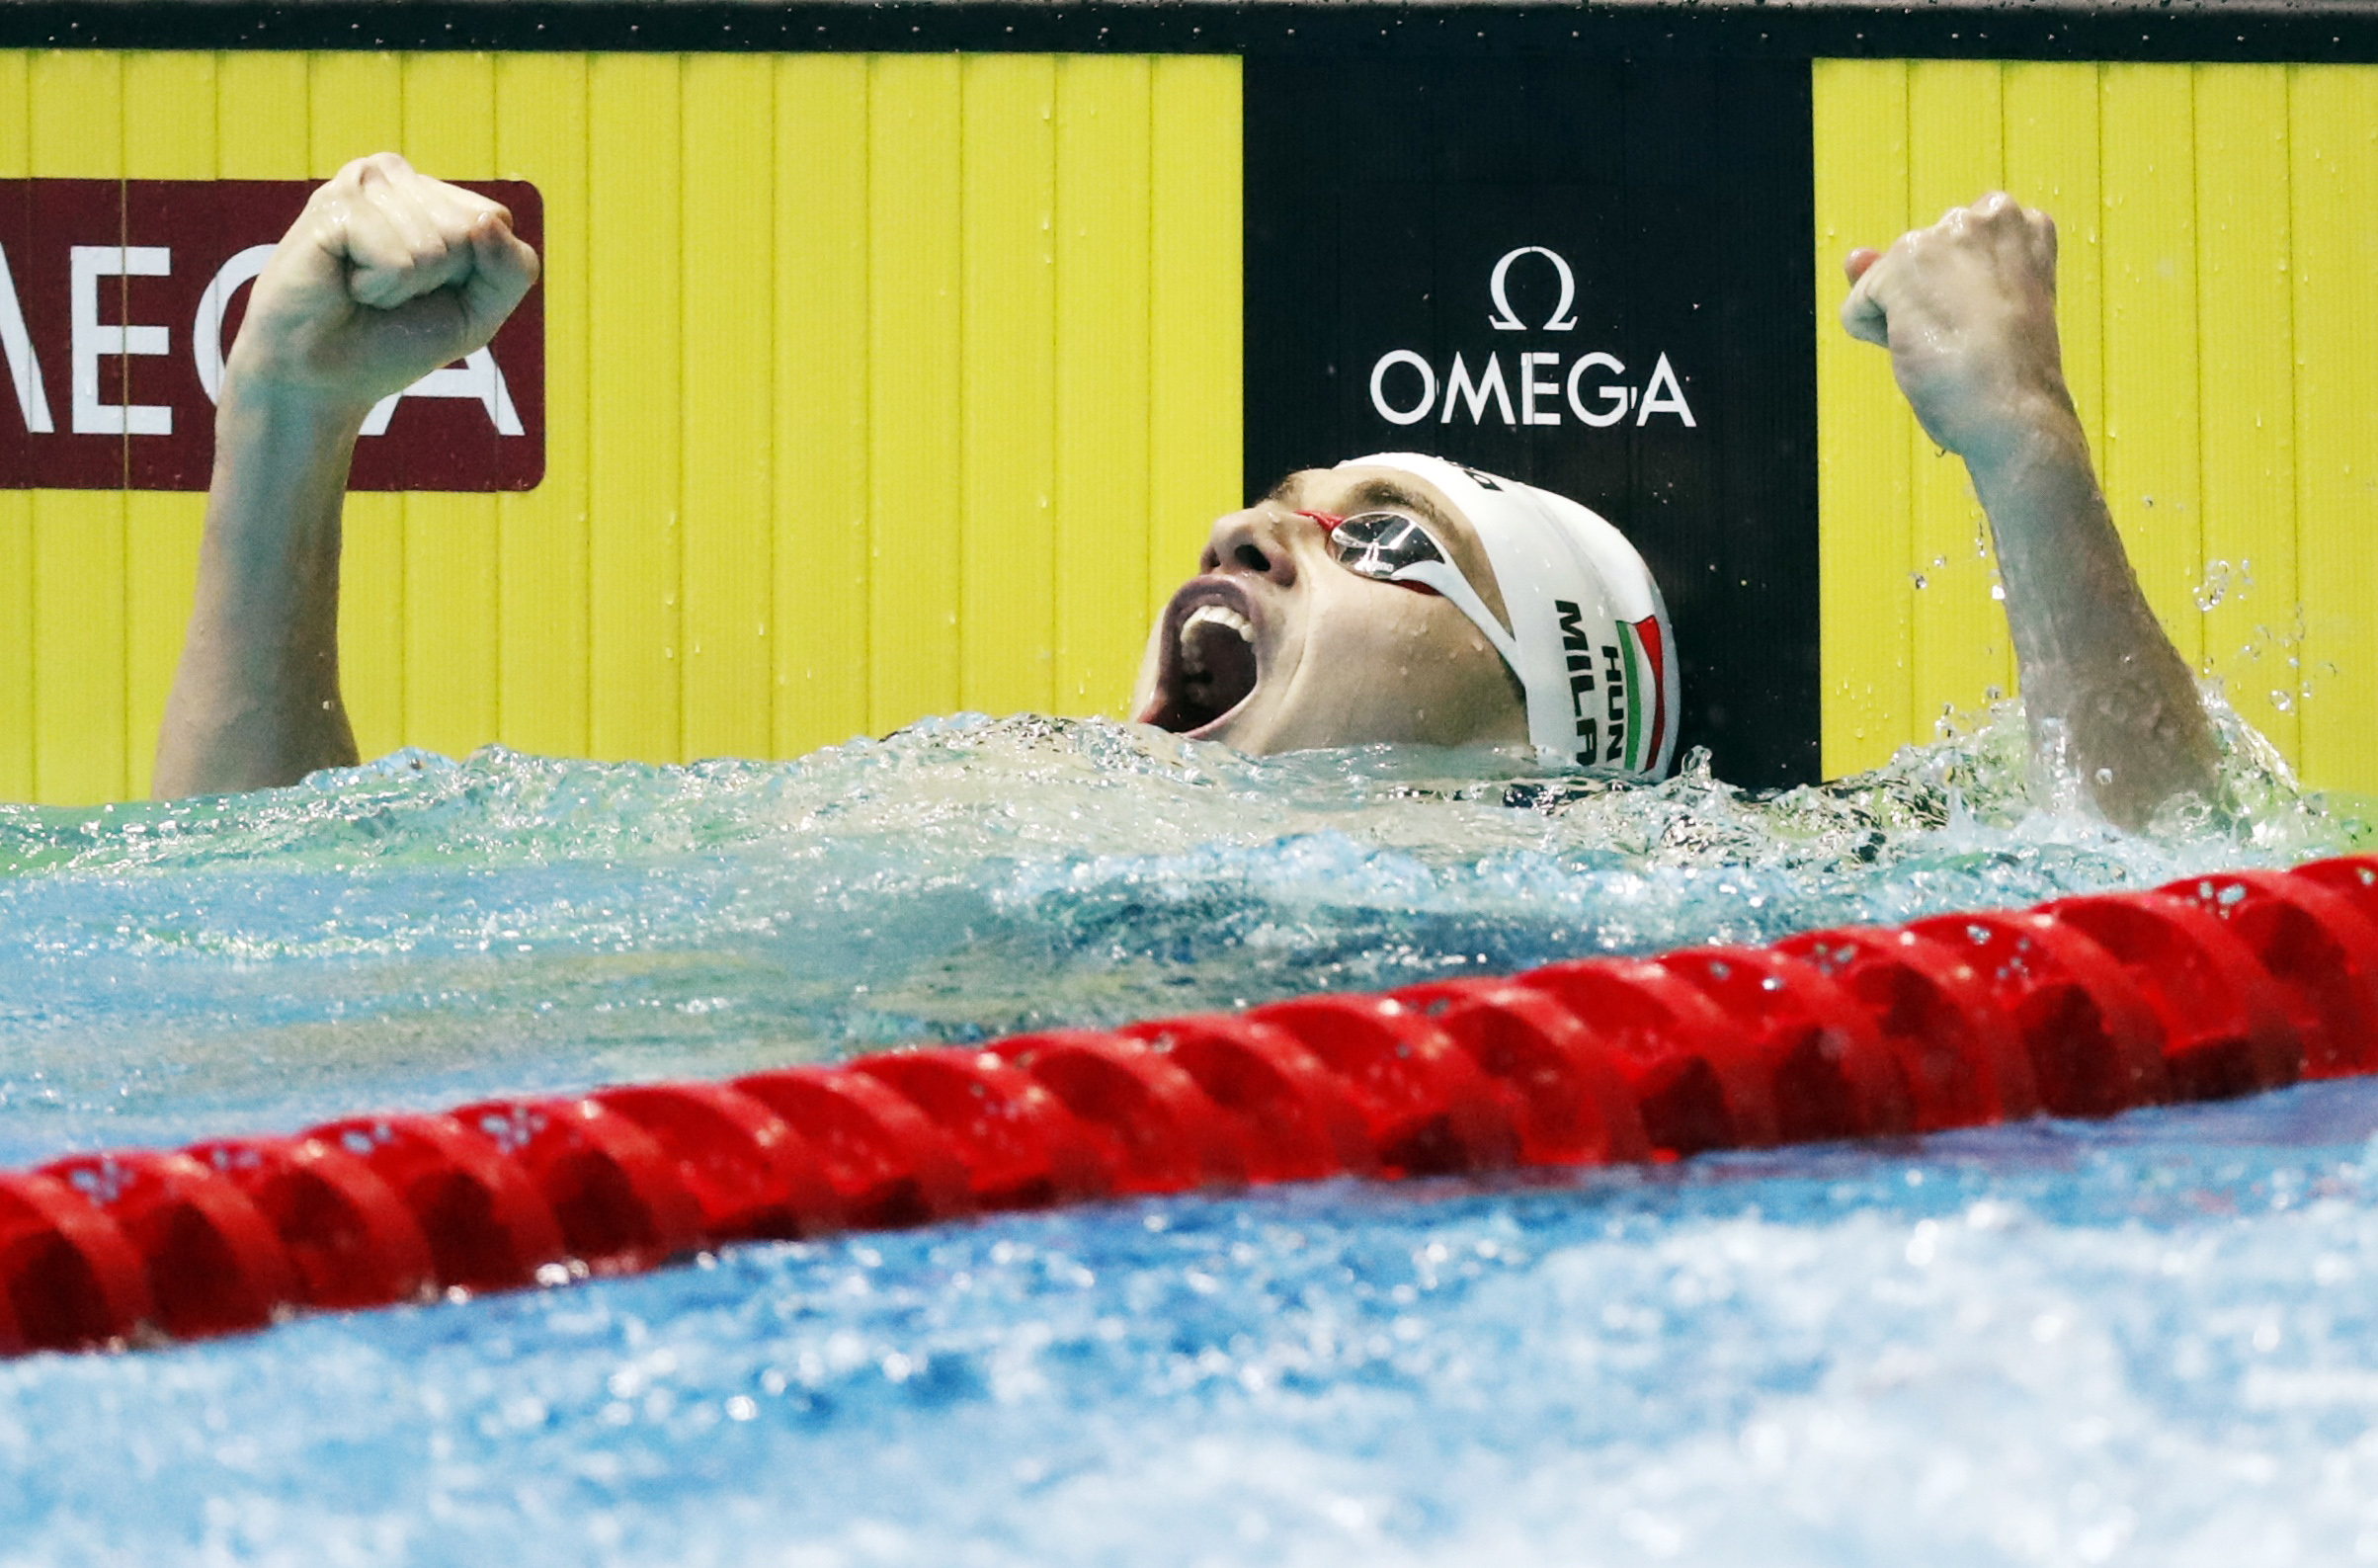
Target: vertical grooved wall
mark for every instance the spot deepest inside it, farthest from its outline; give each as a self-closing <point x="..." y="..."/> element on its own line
<point x="81" y="699"/>
<point x="2218" y="229"/>
<point x="876" y="385"/>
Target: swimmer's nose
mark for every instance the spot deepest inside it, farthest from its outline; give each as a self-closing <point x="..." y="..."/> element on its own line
<point x="1254" y="541"/>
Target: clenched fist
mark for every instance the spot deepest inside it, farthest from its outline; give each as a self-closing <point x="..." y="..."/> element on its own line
<point x="1967" y="308"/>
<point x="385" y="277"/>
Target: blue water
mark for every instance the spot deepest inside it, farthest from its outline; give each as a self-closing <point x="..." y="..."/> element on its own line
<point x="2148" y="1341"/>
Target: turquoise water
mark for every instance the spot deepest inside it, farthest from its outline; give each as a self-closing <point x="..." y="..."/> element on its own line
<point x="2145" y="1341"/>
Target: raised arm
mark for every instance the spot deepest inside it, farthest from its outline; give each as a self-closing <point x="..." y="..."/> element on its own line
<point x="385" y="277"/>
<point x="1968" y="310"/>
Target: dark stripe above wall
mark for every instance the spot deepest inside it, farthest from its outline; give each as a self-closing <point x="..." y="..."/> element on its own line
<point x="1586" y="274"/>
<point x="2332" y="30"/>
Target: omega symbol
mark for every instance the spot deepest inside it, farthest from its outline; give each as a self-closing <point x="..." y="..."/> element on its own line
<point x="1504" y="319"/>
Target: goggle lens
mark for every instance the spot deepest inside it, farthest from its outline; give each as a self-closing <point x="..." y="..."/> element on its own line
<point x="1379" y="544"/>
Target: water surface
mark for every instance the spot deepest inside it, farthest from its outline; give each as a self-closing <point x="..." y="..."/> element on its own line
<point x="2143" y="1340"/>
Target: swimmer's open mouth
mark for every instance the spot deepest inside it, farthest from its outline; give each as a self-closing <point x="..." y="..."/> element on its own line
<point x="1207" y="662"/>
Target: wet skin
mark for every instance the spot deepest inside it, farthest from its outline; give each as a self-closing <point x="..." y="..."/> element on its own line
<point x="1275" y="646"/>
<point x="1967" y="308"/>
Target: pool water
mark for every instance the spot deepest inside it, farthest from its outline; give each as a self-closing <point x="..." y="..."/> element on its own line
<point x="2144" y="1341"/>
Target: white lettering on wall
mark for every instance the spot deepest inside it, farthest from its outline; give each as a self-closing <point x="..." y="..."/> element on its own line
<point x="1378" y="387"/>
<point x="1466" y="395"/>
<point x="86" y="265"/>
<point x="1615" y="399"/>
<point x="206" y="330"/>
<point x="1671" y="401"/>
<point x="477" y="377"/>
<point x="121" y="306"/>
<point x="1531" y="387"/>
<point x="1459" y="385"/>
<point x="1542" y="388"/>
<point x="24" y="369"/>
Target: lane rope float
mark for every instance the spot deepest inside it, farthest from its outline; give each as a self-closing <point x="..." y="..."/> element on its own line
<point x="2209" y="988"/>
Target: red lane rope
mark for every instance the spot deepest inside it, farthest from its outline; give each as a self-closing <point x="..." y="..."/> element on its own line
<point x="2215" y="986"/>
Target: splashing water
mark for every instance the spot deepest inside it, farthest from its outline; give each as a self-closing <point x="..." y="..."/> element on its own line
<point x="419" y="930"/>
<point x="2031" y="1343"/>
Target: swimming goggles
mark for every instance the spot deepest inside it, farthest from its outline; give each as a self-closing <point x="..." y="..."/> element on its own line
<point x="1392" y="547"/>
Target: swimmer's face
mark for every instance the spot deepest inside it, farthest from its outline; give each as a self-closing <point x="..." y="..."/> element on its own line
<point x="1275" y="646"/>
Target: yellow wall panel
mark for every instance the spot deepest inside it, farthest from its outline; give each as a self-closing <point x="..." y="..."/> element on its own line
<point x="2150" y="461"/>
<point x="1102" y="264"/>
<point x="1865" y="549"/>
<point x="453" y="614"/>
<point x="2333" y="141"/>
<point x="78" y="536"/>
<point x="915" y="280"/>
<point x="543" y="566"/>
<point x="2050" y="113"/>
<point x="15" y="505"/>
<point x="173" y="136"/>
<point x="2216" y="234"/>
<point x="263" y="116"/>
<point x="1956" y="151"/>
<point x="2217" y="237"/>
<point x="355" y="107"/>
<point x="729" y="229"/>
<point x="2246" y="342"/>
<point x="634" y="272"/>
<point x="1196" y="224"/>
<point x="822" y="339"/>
<point x="1008" y="597"/>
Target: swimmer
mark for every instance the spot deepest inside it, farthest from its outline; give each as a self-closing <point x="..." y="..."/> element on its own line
<point x="1393" y="599"/>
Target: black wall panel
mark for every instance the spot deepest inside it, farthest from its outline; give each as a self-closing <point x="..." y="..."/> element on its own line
<point x="1381" y="195"/>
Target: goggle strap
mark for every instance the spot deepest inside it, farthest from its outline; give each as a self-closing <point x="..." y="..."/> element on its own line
<point x="1447" y="580"/>
<point x="1444" y="578"/>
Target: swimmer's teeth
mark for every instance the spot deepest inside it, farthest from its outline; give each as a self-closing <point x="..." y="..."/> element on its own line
<point x="1193" y="656"/>
<point x="1220" y="615"/>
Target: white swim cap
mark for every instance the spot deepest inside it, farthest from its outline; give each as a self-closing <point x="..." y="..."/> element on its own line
<point x="1589" y="639"/>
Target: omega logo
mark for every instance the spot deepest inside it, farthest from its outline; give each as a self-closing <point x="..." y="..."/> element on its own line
<point x="1504" y="320"/>
<point x="1404" y="386"/>
<point x="119" y="302"/>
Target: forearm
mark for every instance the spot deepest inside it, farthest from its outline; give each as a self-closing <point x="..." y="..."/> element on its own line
<point x="2101" y="682"/>
<point x="384" y="277"/>
<point x="254" y="701"/>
